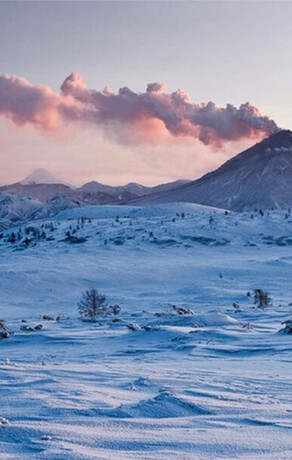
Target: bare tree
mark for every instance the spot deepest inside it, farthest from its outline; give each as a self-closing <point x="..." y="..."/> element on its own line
<point x="261" y="299"/>
<point x="92" y="304"/>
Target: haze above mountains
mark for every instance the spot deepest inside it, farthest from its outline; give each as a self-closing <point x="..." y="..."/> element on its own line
<point x="261" y="177"/>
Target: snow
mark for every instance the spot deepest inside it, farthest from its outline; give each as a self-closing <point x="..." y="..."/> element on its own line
<point x="214" y="383"/>
<point x="20" y="209"/>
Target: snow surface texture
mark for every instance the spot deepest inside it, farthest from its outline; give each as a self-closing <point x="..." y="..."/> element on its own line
<point x="213" y="384"/>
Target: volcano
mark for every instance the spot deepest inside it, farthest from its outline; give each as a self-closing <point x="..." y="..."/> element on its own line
<point x="259" y="177"/>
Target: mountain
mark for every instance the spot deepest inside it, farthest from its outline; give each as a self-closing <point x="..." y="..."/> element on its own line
<point x="259" y="177"/>
<point x="42" y="176"/>
<point x="15" y="210"/>
<point x="41" y="192"/>
<point x="41" y="185"/>
<point x="94" y="187"/>
<point x="132" y="188"/>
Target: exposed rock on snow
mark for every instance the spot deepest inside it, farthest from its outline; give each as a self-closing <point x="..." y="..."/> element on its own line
<point x="288" y="326"/>
<point x="4" y="421"/>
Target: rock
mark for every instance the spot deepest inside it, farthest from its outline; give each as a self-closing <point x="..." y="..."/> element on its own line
<point x="134" y="327"/>
<point x="4" y="421"/>
<point x="46" y="437"/>
<point x="288" y="326"/>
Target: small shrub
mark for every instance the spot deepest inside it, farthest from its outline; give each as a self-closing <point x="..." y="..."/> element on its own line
<point x="119" y="241"/>
<point x="74" y="239"/>
<point x="12" y="238"/>
<point x="48" y="318"/>
<point x="114" y="310"/>
<point x="182" y="310"/>
<point x="5" y="333"/>
<point x="26" y="328"/>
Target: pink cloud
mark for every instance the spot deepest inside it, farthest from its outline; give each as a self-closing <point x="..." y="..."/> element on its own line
<point x="128" y="116"/>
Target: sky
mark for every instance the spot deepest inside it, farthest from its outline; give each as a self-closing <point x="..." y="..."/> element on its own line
<point x="62" y="65"/>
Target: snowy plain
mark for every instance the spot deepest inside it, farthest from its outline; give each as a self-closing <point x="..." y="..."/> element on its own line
<point x="213" y="384"/>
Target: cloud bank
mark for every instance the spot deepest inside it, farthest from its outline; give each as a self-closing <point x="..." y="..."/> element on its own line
<point x="131" y="116"/>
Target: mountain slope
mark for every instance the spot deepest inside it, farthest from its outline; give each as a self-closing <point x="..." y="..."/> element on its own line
<point x="258" y="177"/>
<point x="18" y="209"/>
<point x="41" y="192"/>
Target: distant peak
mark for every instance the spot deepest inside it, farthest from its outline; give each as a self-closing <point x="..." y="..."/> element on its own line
<point x="42" y="176"/>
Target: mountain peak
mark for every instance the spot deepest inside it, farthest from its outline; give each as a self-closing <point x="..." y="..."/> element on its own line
<point x="42" y="176"/>
<point x="280" y="139"/>
<point x="283" y="133"/>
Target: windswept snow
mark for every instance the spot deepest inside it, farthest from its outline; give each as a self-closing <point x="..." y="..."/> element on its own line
<point x="213" y="383"/>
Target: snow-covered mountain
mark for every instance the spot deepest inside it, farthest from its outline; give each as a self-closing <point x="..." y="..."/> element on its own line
<point x="41" y="192"/>
<point x="259" y="177"/>
<point x="18" y="209"/>
<point x="42" y="176"/>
